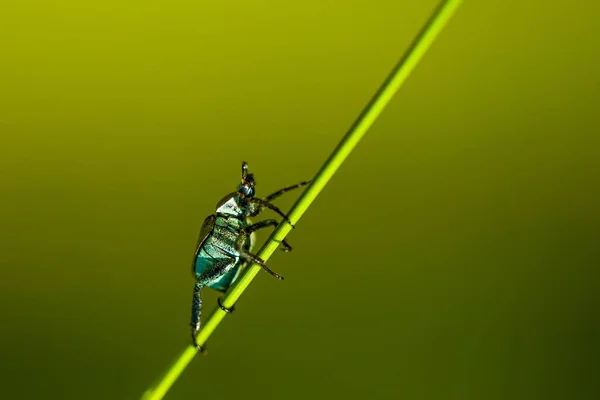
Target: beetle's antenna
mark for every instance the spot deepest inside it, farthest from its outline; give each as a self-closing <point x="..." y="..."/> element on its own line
<point x="244" y="171"/>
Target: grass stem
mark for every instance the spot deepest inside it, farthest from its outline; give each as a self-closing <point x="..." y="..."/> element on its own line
<point x="374" y="108"/>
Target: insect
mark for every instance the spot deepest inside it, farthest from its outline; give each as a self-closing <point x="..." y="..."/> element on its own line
<point x="226" y="239"/>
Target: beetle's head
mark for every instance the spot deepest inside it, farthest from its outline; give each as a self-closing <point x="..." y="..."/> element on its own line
<point x="246" y="189"/>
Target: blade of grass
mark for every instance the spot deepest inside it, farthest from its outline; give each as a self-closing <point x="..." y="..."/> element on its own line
<point x="380" y="100"/>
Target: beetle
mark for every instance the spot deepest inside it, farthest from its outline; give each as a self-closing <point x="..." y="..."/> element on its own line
<point x="226" y="239"/>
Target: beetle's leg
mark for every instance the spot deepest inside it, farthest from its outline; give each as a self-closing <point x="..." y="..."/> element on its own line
<point x="265" y="224"/>
<point x="284" y="190"/>
<point x="222" y="307"/>
<point x="196" y="311"/>
<point x="251" y="258"/>
<point x="286" y="246"/>
<point x="218" y="269"/>
<point x="263" y="203"/>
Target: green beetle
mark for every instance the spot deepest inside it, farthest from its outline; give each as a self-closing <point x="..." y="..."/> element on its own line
<point x="226" y="238"/>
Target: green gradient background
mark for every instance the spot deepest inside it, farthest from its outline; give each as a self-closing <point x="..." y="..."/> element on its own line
<point x="453" y="256"/>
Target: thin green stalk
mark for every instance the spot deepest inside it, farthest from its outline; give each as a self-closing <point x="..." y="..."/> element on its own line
<point x="379" y="101"/>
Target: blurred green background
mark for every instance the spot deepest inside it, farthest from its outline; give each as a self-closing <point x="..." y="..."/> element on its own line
<point x="453" y="256"/>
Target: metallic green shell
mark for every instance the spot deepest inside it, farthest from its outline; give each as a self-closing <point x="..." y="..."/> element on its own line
<point x="217" y="242"/>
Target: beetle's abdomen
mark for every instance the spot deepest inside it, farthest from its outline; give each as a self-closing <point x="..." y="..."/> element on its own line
<point x="219" y="248"/>
<point x="205" y="267"/>
<point x="209" y="255"/>
<point x="225" y="235"/>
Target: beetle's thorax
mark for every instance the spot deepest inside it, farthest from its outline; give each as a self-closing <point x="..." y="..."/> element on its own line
<point x="232" y="207"/>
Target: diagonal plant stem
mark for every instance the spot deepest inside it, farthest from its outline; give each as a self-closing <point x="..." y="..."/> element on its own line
<point x="380" y="100"/>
